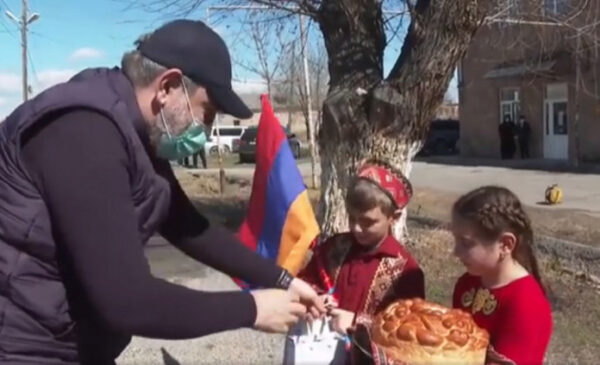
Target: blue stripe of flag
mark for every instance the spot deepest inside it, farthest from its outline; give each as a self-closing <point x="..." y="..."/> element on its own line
<point x="283" y="187"/>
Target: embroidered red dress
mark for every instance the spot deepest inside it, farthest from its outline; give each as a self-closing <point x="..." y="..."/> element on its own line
<point x="366" y="282"/>
<point x="517" y="316"/>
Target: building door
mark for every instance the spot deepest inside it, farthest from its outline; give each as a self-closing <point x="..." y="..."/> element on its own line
<point x="510" y="105"/>
<point x="556" y="122"/>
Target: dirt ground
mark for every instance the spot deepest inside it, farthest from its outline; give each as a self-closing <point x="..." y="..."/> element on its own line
<point x="575" y="304"/>
<point x="569" y="225"/>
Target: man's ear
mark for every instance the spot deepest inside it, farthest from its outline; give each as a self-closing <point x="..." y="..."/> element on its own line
<point x="166" y="82"/>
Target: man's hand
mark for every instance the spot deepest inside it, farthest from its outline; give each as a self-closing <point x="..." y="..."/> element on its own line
<point x="277" y="310"/>
<point x="328" y="301"/>
<point x="342" y="320"/>
<point x="309" y="297"/>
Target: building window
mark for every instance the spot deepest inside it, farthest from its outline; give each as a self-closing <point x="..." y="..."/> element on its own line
<point x="510" y="104"/>
<point x="556" y="7"/>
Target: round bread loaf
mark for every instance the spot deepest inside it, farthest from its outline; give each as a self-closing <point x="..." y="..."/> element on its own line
<point x="419" y="332"/>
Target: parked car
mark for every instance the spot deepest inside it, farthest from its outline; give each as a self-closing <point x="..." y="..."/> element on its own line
<point x="229" y="136"/>
<point x="247" y="144"/>
<point x="442" y="138"/>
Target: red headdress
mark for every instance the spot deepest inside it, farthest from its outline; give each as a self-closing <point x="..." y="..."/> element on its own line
<point x="392" y="182"/>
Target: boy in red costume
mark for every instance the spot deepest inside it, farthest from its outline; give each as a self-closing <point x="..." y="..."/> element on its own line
<point x="367" y="268"/>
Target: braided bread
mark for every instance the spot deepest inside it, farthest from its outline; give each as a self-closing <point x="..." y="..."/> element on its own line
<point x="419" y="332"/>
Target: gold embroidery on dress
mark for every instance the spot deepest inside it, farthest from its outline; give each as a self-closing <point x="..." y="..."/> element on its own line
<point x="490" y="305"/>
<point x="388" y="271"/>
<point x="467" y="298"/>
<point x="481" y="300"/>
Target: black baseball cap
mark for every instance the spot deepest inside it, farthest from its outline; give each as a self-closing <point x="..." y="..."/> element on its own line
<point x="202" y="55"/>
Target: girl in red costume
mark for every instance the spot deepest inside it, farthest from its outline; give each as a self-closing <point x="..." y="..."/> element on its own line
<point x="502" y="288"/>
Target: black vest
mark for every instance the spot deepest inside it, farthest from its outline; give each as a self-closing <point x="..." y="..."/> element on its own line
<point x="38" y="325"/>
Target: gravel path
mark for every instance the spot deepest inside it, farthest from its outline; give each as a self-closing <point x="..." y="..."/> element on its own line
<point x="234" y="347"/>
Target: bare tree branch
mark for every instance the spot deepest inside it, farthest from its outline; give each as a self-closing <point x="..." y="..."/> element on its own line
<point x="355" y="39"/>
<point x="360" y="104"/>
<point x="306" y="7"/>
<point x="269" y="45"/>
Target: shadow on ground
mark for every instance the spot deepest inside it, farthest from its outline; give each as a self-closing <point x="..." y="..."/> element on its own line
<point x="168" y="359"/>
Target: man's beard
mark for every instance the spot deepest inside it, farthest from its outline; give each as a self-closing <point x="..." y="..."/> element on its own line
<point x="157" y="128"/>
<point x="155" y="132"/>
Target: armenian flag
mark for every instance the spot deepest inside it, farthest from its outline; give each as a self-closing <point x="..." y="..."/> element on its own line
<point x="280" y="223"/>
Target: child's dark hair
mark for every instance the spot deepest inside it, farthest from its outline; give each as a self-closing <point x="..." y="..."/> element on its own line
<point x="494" y="210"/>
<point x="364" y="194"/>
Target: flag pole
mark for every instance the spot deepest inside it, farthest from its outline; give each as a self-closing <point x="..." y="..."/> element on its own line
<point x="220" y="160"/>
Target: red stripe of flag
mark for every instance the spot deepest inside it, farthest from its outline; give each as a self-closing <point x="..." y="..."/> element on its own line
<point x="269" y="137"/>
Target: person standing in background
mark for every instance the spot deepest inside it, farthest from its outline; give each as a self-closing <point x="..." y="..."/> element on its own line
<point x="202" y="154"/>
<point x="524" y="136"/>
<point x="506" y="131"/>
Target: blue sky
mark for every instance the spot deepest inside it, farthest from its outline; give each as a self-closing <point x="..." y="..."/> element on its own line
<point x="67" y="39"/>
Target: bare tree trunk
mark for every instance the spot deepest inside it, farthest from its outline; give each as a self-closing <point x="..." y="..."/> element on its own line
<point x="346" y="140"/>
<point x="365" y="116"/>
<point x="578" y="80"/>
<point x="269" y="87"/>
<point x="291" y="76"/>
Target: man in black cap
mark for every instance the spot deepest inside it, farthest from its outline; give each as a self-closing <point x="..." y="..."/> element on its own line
<point x="85" y="181"/>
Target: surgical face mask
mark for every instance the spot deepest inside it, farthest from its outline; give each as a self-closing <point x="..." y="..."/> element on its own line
<point x="189" y="142"/>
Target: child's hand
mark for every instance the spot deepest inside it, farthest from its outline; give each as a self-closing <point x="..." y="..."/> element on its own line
<point x="329" y="301"/>
<point x="342" y="320"/>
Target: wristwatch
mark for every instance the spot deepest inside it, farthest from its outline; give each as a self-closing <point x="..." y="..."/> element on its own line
<point x="285" y="280"/>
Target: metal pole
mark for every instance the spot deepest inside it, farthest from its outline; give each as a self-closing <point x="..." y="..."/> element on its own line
<point x="24" y="50"/>
<point x="23" y="22"/>
<point x="220" y="159"/>
<point x="311" y="134"/>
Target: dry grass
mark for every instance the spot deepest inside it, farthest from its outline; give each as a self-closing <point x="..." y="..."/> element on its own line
<point x="576" y="306"/>
<point x="566" y="224"/>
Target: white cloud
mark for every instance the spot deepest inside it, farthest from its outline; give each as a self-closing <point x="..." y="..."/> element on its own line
<point x="51" y="77"/>
<point x="10" y="86"/>
<point x="9" y="82"/>
<point x="86" y="53"/>
<point x="7" y="104"/>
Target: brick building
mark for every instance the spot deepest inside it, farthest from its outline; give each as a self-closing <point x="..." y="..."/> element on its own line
<point x="525" y="61"/>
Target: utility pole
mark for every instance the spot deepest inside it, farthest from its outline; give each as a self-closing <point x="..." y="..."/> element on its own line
<point x="303" y="36"/>
<point x="311" y="125"/>
<point x="23" y="22"/>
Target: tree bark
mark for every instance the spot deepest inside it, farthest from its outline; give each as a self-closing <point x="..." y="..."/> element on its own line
<point x="368" y="117"/>
<point x="291" y="80"/>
